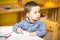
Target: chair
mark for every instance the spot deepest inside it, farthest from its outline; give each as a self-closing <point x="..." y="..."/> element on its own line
<point x="52" y="27"/>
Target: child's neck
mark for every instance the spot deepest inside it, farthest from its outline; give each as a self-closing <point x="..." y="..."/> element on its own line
<point x="31" y="20"/>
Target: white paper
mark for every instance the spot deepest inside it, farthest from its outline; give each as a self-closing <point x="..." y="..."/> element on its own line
<point x="16" y="36"/>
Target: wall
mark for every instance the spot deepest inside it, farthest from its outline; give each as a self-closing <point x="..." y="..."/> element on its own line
<point x="8" y="18"/>
<point x="7" y="1"/>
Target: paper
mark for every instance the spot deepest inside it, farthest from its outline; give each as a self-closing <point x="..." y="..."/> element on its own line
<point x="25" y="36"/>
<point x="24" y="32"/>
<point x="14" y="36"/>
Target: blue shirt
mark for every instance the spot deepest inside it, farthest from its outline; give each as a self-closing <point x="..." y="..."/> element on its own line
<point x="39" y="27"/>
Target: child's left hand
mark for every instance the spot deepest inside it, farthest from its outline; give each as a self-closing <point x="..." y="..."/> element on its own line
<point x="33" y="34"/>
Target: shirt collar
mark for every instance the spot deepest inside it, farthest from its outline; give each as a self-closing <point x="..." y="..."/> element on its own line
<point x="27" y="19"/>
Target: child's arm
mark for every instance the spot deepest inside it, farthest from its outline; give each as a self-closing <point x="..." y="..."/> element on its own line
<point x="41" y="30"/>
<point x="17" y="28"/>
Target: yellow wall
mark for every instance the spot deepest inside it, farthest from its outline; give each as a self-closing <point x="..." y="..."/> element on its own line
<point x="7" y="1"/>
<point x="8" y="18"/>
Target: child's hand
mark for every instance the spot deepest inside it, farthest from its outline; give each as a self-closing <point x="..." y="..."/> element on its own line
<point x="19" y="30"/>
<point x="33" y="34"/>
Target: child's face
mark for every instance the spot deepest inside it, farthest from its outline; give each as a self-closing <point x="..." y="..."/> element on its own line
<point x="34" y="13"/>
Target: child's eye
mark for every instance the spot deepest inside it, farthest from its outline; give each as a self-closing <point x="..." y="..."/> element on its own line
<point x="35" y="12"/>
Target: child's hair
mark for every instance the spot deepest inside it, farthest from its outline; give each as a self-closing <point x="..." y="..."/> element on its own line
<point x="28" y="6"/>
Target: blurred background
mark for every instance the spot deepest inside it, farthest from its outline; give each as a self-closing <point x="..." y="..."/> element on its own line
<point x="12" y="12"/>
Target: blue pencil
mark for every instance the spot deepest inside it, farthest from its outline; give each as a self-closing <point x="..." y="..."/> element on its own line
<point x="5" y="36"/>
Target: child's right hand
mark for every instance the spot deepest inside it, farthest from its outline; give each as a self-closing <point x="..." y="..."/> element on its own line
<point x="19" y="30"/>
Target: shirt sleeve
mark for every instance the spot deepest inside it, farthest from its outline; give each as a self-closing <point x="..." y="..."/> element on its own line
<point x="18" y="25"/>
<point x="41" y="30"/>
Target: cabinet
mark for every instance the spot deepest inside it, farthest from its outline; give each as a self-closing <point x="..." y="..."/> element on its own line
<point x="9" y="17"/>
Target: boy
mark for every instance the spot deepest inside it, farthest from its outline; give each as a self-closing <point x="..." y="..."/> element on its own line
<point x="32" y="24"/>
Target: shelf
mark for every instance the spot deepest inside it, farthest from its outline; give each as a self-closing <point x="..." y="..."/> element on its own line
<point x="11" y="10"/>
<point x="19" y="10"/>
<point x="22" y="9"/>
<point x="49" y="7"/>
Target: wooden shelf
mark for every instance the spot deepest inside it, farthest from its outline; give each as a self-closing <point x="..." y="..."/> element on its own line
<point x="9" y="11"/>
<point x="22" y="8"/>
<point x="48" y="7"/>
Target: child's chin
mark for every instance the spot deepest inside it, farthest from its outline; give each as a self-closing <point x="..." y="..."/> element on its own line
<point x="36" y="19"/>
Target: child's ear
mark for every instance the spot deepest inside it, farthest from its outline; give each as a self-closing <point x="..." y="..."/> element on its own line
<point x="27" y="14"/>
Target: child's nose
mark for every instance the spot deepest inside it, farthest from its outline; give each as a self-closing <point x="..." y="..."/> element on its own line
<point x="38" y="15"/>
